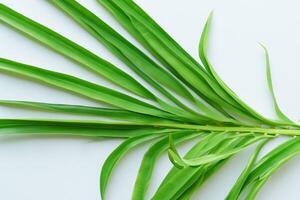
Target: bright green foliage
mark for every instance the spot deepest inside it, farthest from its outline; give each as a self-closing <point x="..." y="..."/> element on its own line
<point x="196" y="103"/>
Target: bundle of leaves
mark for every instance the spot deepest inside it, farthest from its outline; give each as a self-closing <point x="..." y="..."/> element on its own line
<point x="179" y="100"/>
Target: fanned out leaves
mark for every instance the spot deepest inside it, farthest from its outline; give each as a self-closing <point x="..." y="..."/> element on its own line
<point x="71" y="50"/>
<point x="116" y="43"/>
<point x="150" y="34"/>
<point x="81" y="87"/>
<point x="195" y="102"/>
<point x="154" y="38"/>
<point x="75" y="52"/>
<point x="203" y="56"/>
<point x="135" y="59"/>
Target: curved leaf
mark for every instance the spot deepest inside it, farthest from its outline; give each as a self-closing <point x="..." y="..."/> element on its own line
<point x="204" y="58"/>
<point x="145" y="171"/>
<point x="117" y="154"/>
<point x="205" y="159"/>
<point x="236" y="189"/>
<point x="278" y="111"/>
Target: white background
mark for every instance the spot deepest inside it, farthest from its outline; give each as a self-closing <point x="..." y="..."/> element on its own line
<point x="34" y="168"/>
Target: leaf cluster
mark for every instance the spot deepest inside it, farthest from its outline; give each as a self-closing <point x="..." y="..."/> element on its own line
<point x="184" y="100"/>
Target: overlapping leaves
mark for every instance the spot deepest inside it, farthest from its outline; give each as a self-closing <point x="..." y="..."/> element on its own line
<point x="183" y="100"/>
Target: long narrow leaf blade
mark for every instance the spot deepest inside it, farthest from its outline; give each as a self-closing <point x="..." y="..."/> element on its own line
<point x="81" y="87"/>
<point x="145" y="171"/>
<point x="116" y="155"/>
<point x="72" y="50"/>
<point x="138" y="23"/>
<point x="74" y="128"/>
<point x="236" y="189"/>
<point x="204" y="58"/>
<point x="108" y="113"/>
<point x="116" y="43"/>
<point x="277" y="109"/>
<point x="151" y="72"/>
<point x="209" y="158"/>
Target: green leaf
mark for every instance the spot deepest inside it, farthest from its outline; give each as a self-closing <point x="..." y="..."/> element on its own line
<point x="72" y="50"/>
<point x="121" y="47"/>
<point x="184" y="100"/>
<point x="146" y="168"/>
<point x="277" y="109"/>
<point x="236" y="189"/>
<point x="141" y="26"/>
<point x="268" y="165"/>
<point x="179" y="180"/>
<point x="109" y="113"/>
<point x="205" y="159"/>
<point x="206" y="171"/>
<point x="74" y="128"/>
<point x="117" y="154"/>
<point x="147" y="69"/>
<point x="82" y="87"/>
<point x="204" y="58"/>
<point x="274" y="159"/>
